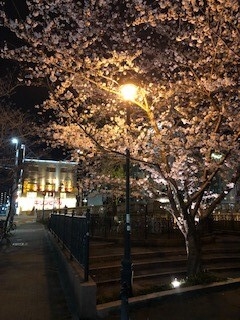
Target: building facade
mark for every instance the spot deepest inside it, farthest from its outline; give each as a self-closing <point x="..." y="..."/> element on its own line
<point x="53" y="185"/>
<point x="47" y="184"/>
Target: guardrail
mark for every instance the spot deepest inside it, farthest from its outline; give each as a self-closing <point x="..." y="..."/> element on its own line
<point x="105" y="224"/>
<point x="73" y="233"/>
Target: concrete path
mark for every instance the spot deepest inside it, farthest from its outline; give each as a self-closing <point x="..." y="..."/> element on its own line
<point x="30" y="288"/>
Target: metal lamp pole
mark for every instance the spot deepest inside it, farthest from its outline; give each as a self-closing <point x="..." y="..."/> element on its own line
<point x="19" y="159"/>
<point x="126" y="271"/>
<point x="15" y="181"/>
<point x="128" y="92"/>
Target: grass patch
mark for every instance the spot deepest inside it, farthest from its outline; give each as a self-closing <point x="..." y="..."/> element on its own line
<point x="152" y="289"/>
<point x="204" y="277"/>
<point x="108" y="298"/>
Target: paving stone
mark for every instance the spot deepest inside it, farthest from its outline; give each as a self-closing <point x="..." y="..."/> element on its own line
<point x="30" y="288"/>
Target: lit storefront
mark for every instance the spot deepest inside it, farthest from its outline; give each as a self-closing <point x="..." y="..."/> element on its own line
<point x="47" y="184"/>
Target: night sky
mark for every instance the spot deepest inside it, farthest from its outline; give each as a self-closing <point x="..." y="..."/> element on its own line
<point x="22" y="97"/>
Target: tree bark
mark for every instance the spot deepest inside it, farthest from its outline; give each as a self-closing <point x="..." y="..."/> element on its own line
<point x="194" y="253"/>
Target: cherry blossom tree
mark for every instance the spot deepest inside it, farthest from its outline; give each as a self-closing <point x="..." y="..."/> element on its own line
<point x="7" y="84"/>
<point x="183" y="56"/>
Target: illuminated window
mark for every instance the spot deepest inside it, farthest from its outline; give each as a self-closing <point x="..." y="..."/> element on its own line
<point x="32" y="168"/>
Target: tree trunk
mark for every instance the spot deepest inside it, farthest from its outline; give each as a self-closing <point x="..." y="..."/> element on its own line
<point x="194" y="252"/>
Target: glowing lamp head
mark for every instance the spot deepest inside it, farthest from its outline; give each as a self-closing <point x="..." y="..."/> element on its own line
<point x="129" y="91"/>
<point x="14" y="140"/>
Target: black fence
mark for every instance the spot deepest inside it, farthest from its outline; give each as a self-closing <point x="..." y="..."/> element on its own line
<point x="73" y="233"/>
<point x="142" y="226"/>
<point x="226" y="221"/>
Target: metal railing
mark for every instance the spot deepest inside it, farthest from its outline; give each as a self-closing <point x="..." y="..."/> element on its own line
<point x="73" y="233"/>
<point x="142" y="226"/>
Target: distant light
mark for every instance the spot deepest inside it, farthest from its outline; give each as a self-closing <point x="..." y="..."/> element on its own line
<point x="176" y="283"/>
<point x="163" y="200"/>
<point x="216" y="156"/>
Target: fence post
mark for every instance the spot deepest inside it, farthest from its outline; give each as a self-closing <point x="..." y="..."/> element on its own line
<point x="71" y="239"/>
<point x="146" y="221"/>
<point x="58" y="228"/>
<point x="86" y="258"/>
<point x="64" y="231"/>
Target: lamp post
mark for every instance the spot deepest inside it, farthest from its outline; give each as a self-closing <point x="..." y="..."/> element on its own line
<point x="137" y="96"/>
<point x="15" y="180"/>
<point x="128" y="92"/>
<point x="19" y="158"/>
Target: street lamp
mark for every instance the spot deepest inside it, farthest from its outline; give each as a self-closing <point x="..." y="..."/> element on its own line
<point x="19" y="159"/>
<point x="15" y="142"/>
<point x="128" y="92"/>
<point x="15" y="180"/>
<point x="137" y="96"/>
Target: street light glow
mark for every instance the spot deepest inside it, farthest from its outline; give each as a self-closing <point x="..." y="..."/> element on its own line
<point x="129" y="91"/>
<point x="14" y="140"/>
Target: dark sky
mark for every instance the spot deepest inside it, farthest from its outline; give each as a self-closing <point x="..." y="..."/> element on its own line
<point x="27" y="97"/>
<point x="16" y="8"/>
<point x="24" y="97"/>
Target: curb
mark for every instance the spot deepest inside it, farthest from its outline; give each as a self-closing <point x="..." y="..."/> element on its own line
<point x="105" y="309"/>
<point x="82" y="294"/>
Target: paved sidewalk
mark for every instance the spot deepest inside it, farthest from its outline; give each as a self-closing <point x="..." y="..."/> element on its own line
<point x="30" y="288"/>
